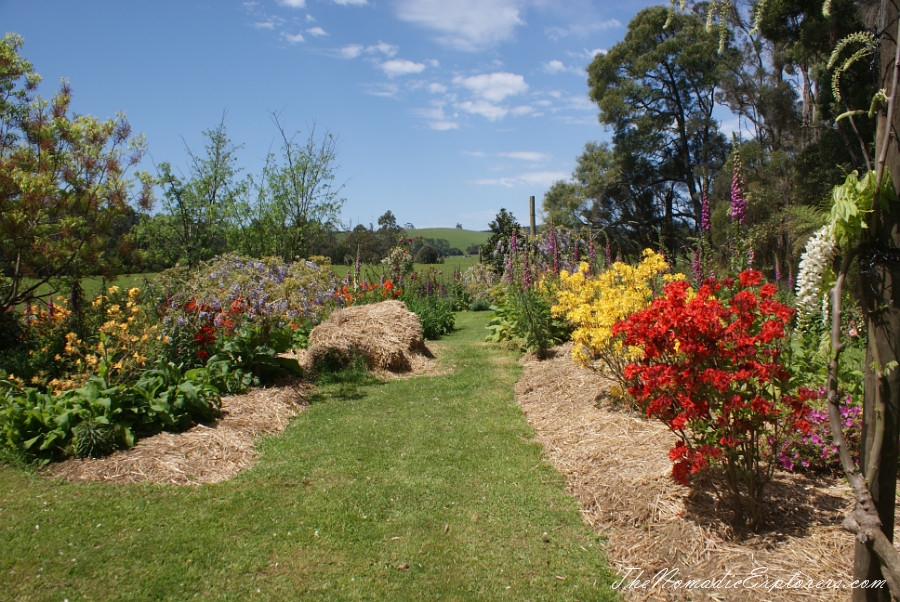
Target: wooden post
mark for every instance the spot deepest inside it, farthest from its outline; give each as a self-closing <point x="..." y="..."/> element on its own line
<point x="531" y="213"/>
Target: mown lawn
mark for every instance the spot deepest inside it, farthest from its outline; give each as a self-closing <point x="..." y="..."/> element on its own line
<point x="430" y="488"/>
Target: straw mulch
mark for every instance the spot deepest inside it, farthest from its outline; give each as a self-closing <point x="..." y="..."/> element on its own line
<point x="386" y="334"/>
<point x="202" y="454"/>
<point x="617" y="466"/>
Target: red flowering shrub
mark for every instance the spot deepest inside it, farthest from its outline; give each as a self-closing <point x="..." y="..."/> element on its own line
<point x="710" y="369"/>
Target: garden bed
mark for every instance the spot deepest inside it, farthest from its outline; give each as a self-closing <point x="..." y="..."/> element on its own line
<point x="203" y="454"/>
<point x="616" y="464"/>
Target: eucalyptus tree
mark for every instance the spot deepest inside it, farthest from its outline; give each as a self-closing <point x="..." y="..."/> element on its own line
<point x="200" y="210"/>
<point x="298" y="199"/>
<point x="657" y="91"/>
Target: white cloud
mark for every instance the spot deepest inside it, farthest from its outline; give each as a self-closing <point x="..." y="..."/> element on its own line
<point x="383" y="48"/>
<point x="436" y="88"/>
<point x="493" y="87"/>
<point x="352" y="51"/>
<point x="531" y="156"/>
<point x="531" y="178"/>
<point x="467" y="25"/>
<point x="293" y="3"/>
<point x="488" y="110"/>
<point x="582" y="28"/>
<point x="587" y="54"/>
<point x="270" y="24"/>
<point x="437" y="118"/>
<point x="351" y="2"/>
<point x="295" y="38"/>
<point x="385" y="90"/>
<point x="395" y="67"/>
<point x="316" y="31"/>
<point x="554" y="66"/>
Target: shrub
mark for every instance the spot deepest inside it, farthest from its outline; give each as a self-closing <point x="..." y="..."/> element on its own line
<point x="594" y="304"/>
<point x="813" y="449"/>
<point x="435" y="314"/>
<point x="427" y="254"/>
<point x="479" y="281"/>
<point x="709" y="367"/>
<point x="523" y="317"/>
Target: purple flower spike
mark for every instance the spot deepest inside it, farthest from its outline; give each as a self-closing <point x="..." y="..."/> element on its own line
<point x="705" y="218"/>
<point x="738" y="202"/>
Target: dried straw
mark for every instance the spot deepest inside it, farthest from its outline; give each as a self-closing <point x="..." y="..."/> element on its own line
<point x="387" y="334"/>
<point x="616" y="464"/>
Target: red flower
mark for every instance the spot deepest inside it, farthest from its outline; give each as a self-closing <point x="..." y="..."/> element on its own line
<point x="750" y="278"/>
<point x="707" y="369"/>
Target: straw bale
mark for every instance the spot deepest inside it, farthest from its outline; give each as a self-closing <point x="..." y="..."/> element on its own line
<point x="386" y="334"/>
<point x="202" y="454"/>
<point x="616" y="465"/>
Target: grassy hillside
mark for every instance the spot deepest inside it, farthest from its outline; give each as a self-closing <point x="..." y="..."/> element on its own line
<point x="457" y="238"/>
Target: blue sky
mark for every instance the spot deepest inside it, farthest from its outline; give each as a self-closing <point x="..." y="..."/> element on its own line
<point x="444" y="110"/>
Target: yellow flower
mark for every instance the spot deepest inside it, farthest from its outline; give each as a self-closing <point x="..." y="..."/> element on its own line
<point x="113" y="289"/>
<point x="133" y="292"/>
<point x="595" y="304"/>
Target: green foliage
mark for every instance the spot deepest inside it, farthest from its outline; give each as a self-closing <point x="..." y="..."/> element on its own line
<point x="523" y="318"/>
<point x="65" y="184"/>
<point x="656" y="89"/>
<point x="501" y="229"/>
<point x="867" y="43"/>
<point x="199" y="211"/>
<point x="480" y="305"/>
<point x="427" y="254"/>
<point x="852" y="202"/>
<point x="96" y="437"/>
<point x="297" y="197"/>
<point x="98" y="417"/>
<point x="435" y="314"/>
<point x="254" y="349"/>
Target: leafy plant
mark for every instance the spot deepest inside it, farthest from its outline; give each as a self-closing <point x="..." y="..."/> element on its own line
<point x="435" y="314"/>
<point x="710" y="368"/>
<point x="255" y="349"/>
<point x="523" y="317"/>
<point x="594" y="304"/>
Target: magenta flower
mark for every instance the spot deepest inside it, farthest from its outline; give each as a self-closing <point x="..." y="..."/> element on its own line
<point x="705" y="219"/>
<point x="738" y="202"/>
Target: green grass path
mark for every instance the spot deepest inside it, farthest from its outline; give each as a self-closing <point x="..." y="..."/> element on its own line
<point x="431" y="488"/>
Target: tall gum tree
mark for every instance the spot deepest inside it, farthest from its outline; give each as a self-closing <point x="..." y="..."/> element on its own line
<point x="657" y="90"/>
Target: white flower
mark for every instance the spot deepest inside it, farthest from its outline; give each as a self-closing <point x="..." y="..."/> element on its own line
<point x="817" y="259"/>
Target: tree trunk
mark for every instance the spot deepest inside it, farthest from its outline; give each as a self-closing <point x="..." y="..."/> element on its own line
<point x="880" y="295"/>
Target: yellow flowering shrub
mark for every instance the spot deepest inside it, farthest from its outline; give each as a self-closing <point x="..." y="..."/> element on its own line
<point x="126" y="340"/>
<point x="593" y="304"/>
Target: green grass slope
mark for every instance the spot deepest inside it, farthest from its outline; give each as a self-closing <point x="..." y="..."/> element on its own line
<point x="457" y="238"/>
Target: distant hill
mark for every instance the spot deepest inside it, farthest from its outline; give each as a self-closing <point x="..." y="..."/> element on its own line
<point x="457" y="238"/>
